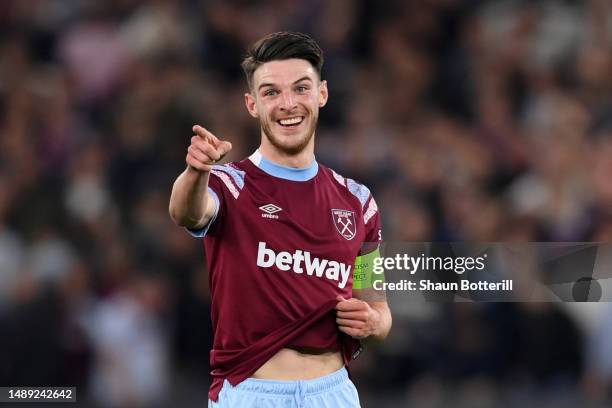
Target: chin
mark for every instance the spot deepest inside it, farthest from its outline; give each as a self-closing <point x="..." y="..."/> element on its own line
<point x="290" y="146"/>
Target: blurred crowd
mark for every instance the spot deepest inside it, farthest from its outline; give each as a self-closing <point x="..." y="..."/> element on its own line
<point x="470" y="120"/>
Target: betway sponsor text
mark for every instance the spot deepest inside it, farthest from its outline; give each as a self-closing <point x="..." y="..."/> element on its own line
<point x="302" y="261"/>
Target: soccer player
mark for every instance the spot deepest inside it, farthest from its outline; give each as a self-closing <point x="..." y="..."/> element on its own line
<point x="284" y="236"/>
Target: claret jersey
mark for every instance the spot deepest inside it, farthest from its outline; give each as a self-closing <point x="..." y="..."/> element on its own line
<point x="280" y="248"/>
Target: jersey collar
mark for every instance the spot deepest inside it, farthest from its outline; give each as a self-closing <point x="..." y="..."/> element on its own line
<point x="284" y="172"/>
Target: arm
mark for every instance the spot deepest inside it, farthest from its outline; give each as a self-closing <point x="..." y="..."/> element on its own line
<point x="367" y="312"/>
<point x="385" y="321"/>
<point x="191" y="205"/>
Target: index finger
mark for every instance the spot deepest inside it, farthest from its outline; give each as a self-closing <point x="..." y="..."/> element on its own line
<point x="205" y="134"/>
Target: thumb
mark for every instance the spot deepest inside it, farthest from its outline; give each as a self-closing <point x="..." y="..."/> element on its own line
<point x="339" y="298"/>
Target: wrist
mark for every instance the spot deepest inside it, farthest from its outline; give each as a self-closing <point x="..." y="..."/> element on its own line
<point x="197" y="172"/>
<point x="197" y="176"/>
<point x="376" y="319"/>
<point x="195" y="181"/>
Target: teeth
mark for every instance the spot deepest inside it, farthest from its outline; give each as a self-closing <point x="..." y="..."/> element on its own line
<point x="291" y="121"/>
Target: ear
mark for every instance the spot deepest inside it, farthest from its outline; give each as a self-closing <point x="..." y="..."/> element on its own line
<point x="323" y="94"/>
<point x="249" y="101"/>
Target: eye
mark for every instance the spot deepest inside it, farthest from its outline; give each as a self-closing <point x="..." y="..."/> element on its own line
<point x="271" y="92"/>
<point x="301" y="88"/>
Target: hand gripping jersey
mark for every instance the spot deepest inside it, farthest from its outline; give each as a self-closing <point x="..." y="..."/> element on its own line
<point x="280" y="248"/>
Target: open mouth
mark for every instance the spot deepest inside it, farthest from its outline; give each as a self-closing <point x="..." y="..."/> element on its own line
<point x="291" y="122"/>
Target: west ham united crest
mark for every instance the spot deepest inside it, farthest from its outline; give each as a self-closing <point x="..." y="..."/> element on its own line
<point x="344" y="221"/>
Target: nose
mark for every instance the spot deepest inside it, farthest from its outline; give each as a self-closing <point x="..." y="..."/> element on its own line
<point x="287" y="101"/>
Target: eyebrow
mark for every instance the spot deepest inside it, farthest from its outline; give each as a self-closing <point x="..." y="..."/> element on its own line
<point x="304" y="78"/>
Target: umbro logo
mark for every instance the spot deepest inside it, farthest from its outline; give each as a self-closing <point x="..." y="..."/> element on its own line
<point x="270" y="211"/>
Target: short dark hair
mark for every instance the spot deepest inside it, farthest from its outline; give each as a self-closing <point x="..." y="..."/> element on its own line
<point x="281" y="46"/>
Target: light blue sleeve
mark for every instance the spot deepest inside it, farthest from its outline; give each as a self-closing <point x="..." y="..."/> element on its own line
<point x="201" y="232"/>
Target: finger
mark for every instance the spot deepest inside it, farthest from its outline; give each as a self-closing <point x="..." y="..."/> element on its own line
<point x="349" y="306"/>
<point x="358" y="315"/>
<point x="197" y="164"/>
<point x="340" y="298"/>
<point x="205" y="134"/>
<point x="224" y="147"/>
<point x="209" y="153"/>
<point x="206" y="148"/>
<point x="355" y="333"/>
<point x="357" y="324"/>
<point x="201" y="156"/>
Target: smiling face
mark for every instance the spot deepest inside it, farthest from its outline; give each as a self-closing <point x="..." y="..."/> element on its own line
<point x="286" y="96"/>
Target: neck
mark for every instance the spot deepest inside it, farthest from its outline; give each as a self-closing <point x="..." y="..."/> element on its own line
<point x="299" y="160"/>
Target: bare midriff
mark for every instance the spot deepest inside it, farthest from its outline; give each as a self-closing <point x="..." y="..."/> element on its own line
<point x="300" y="364"/>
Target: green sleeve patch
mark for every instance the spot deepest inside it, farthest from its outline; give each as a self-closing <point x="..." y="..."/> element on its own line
<point x="363" y="273"/>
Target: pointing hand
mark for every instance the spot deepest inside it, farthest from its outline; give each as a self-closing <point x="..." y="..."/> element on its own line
<point x="205" y="149"/>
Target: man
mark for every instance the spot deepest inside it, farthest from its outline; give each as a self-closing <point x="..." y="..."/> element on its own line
<point x="282" y="235"/>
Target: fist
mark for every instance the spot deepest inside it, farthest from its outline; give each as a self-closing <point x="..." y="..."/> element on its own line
<point x="205" y="149"/>
<point x="356" y="318"/>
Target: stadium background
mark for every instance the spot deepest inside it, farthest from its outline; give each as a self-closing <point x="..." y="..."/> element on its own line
<point x="469" y="120"/>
